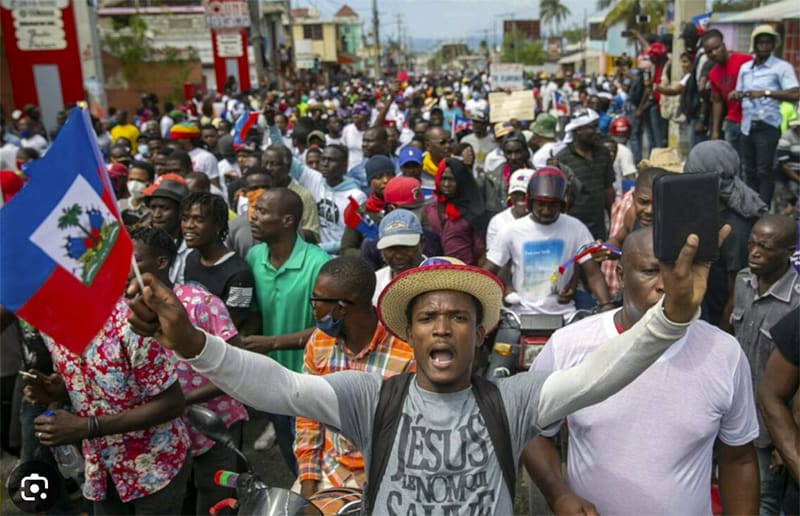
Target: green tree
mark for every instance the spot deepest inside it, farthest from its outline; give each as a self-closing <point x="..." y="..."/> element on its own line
<point x="129" y="42"/>
<point x="574" y="34"/>
<point x="626" y="11"/>
<point x="553" y="12"/>
<point x="529" y="52"/>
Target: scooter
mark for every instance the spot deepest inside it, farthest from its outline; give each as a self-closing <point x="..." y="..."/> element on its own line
<point x="518" y="342"/>
<point x="253" y="496"/>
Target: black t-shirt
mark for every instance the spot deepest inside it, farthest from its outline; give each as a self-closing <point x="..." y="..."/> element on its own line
<point x="732" y="259"/>
<point x="231" y="280"/>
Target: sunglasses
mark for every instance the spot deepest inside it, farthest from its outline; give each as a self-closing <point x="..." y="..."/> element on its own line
<point x="445" y="141"/>
<point x="338" y="301"/>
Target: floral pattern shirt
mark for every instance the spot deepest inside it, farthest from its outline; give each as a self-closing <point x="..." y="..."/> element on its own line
<point x="207" y="312"/>
<point x="118" y="371"/>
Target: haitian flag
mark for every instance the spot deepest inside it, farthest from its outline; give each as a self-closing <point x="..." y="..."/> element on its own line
<point x="242" y="126"/>
<point x="354" y="220"/>
<point x="65" y="254"/>
<point x="561" y="103"/>
<point x="460" y="123"/>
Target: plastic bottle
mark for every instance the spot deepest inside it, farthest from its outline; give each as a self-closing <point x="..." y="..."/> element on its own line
<point x="68" y="457"/>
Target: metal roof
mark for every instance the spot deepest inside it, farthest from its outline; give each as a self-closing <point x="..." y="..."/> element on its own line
<point x="786" y="9"/>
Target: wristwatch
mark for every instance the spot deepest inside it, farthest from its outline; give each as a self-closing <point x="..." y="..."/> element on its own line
<point x="767" y="93"/>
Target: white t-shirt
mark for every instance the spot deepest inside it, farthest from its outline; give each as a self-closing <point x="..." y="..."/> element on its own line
<point x="648" y="448"/>
<point x="481" y="146"/>
<point x="37" y="142"/>
<point x="499" y="221"/>
<point x="494" y="159"/>
<point x="8" y="156"/>
<point x="541" y="156"/>
<point x="352" y="138"/>
<point x="623" y="166"/>
<point x="330" y="205"/>
<point x="536" y="250"/>
<point x="205" y="162"/>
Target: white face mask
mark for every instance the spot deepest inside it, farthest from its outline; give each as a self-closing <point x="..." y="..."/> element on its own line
<point x="136" y="188"/>
<point x="143" y="149"/>
<point x="241" y="206"/>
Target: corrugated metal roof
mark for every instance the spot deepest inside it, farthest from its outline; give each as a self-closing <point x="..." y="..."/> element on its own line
<point x="786" y="9"/>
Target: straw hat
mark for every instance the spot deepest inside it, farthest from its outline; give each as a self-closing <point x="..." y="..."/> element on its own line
<point x="666" y="158"/>
<point x="439" y="273"/>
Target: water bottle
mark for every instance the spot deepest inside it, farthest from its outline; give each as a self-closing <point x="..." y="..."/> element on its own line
<point x="68" y="457"/>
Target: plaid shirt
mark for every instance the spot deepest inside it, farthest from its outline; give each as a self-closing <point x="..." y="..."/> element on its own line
<point x="618" y="211"/>
<point x="319" y="449"/>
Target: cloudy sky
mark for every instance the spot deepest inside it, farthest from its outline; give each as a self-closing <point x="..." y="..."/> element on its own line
<point x="448" y="19"/>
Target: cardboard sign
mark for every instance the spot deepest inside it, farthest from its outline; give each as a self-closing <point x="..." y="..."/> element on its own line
<point x="504" y="106"/>
<point x="506" y="76"/>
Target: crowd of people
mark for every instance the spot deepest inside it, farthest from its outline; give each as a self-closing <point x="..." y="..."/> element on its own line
<point x="379" y="227"/>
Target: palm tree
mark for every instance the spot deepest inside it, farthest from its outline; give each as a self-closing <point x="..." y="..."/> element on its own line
<point x="626" y="10"/>
<point x="553" y="12"/>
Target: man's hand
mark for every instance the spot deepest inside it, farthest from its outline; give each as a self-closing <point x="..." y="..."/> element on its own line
<point x="570" y="504"/>
<point x="309" y="488"/>
<point x="258" y="343"/>
<point x="685" y="281"/>
<point x="700" y="128"/>
<point x="43" y="389"/>
<point x="156" y="312"/>
<point x="61" y="428"/>
<point x="737" y="96"/>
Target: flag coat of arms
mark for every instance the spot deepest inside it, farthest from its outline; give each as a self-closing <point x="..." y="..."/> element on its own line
<point x="65" y="255"/>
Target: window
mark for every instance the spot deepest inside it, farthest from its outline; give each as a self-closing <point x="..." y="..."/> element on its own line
<point x="313" y="31"/>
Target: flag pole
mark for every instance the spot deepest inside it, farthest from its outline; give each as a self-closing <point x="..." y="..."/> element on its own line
<point x="138" y="273"/>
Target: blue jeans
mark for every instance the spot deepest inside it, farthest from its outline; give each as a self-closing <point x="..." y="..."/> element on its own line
<point x="693" y="137"/>
<point x="758" y="158"/>
<point x="284" y="431"/>
<point x="635" y="141"/>
<point x="656" y="127"/>
<point x="772" y="484"/>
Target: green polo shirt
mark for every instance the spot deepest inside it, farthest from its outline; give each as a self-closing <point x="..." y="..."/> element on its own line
<point x="281" y="295"/>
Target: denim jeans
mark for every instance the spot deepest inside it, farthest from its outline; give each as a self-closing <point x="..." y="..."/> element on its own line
<point x="772" y="484"/>
<point x="656" y="127"/>
<point x="635" y="141"/>
<point x="284" y="431"/>
<point x="758" y="158"/>
<point x="693" y="137"/>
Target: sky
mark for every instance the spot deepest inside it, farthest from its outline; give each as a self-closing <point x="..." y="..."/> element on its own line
<point x="448" y="19"/>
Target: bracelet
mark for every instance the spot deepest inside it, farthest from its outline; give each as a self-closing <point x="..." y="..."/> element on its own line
<point x="94" y="427"/>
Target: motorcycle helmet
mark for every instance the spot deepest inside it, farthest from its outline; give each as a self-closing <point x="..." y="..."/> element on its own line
<point x="547" y="184"/>
<point x="620" y="128"/>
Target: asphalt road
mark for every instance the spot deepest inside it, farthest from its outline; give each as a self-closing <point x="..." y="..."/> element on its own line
<point x="270" y="466"/>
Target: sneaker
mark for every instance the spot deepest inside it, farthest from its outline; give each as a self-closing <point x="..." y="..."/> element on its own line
<point x="266" y="439"/>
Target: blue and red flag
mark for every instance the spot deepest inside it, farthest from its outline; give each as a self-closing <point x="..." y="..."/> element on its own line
<point x="65" y="254"/>
<point x="460" y="123"/>
<point x="242" y="127"/>
<point x="561" y="103"/>
<point x="354" y="220"/>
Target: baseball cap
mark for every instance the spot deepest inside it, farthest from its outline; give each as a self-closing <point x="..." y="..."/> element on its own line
<point x="399" y="227"/>
<point x="377" y="165"/>
<point x="479" y="116"/>
<point x="403" y="191"/>
<point x="519" y="180"/>
<point x="410" y="154"/>
<point x="658" y="50"/>
<point x="171" y="186"/>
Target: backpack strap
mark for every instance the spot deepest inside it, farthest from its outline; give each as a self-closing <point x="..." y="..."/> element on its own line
<point x="384" y="429"/>
<point x="490" y="403"/>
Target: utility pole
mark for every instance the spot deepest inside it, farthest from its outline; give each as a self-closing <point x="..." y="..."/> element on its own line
<point x="376" y="39"/>
<point x="401" y="53"/>
<point x="255" y="40"/>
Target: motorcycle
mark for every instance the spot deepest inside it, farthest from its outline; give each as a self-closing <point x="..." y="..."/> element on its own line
<point x="253" y="496"/>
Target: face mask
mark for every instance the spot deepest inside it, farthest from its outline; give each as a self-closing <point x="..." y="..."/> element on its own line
<point x="143" y="150"/>
<point x="330" y="327"/>
<point x="26" y="133"/>
<point x="136" y="188"/>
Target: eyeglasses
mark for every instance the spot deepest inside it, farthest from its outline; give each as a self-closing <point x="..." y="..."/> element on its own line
<point x="338" y="301"/>
<point x="445" y="141"/>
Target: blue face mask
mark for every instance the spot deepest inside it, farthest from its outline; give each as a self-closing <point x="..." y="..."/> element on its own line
<point x="144" y="150"/>
<point x="26" y="133"/>
<point x="330" y="327"/>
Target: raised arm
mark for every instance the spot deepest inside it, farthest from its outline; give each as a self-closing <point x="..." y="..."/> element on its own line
<point x="618" y="362"/>
<point x="253" y="379"/>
